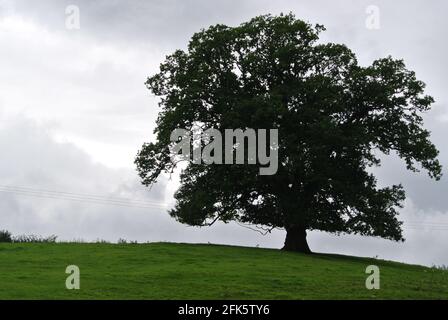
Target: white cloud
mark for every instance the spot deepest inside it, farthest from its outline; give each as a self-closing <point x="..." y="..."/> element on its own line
<point x="86" y="92"/>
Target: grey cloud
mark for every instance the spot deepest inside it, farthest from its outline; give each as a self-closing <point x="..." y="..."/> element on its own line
<point x="31" y="158"/>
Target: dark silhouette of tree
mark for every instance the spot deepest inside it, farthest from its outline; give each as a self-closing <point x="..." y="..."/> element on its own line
<point x="332" y="116"/>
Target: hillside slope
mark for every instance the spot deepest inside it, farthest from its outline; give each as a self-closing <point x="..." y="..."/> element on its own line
<point x="193" y="271"/>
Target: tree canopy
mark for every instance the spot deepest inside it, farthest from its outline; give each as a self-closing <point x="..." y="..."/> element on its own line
<point x="332" y="115"/>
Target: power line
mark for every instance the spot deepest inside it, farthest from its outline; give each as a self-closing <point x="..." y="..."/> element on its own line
<point x="432" y="228"/>
<point x="147" y="204"/>
<point x="88" y="195"/>
<point x="95" y="199"/>
<point x="427" y="223"/>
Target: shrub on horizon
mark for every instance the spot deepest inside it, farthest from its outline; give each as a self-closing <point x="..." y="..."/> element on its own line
<point x="5" y="236"/>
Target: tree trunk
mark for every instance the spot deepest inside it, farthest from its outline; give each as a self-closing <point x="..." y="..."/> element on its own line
<point x="296" y="239"/>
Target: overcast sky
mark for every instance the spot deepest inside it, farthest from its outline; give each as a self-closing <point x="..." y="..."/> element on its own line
<point x="74" y="111"/>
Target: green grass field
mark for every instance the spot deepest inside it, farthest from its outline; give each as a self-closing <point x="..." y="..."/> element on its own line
<point x="187" y="271"/>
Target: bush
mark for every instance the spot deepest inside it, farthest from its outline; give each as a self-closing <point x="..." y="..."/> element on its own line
<point x="102" y="241"/>
<point x="34" y="239"/>
<point x="5" y="236"/>
<point x="440" y="267"/>
<point x="124" y="241"/>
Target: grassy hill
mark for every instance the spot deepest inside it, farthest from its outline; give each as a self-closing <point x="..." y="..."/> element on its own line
<point x="187" y="271"/>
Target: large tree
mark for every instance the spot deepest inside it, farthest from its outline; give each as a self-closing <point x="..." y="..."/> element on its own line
<point x="334" y="119"/>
